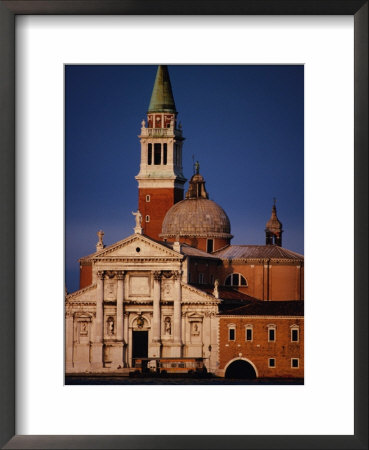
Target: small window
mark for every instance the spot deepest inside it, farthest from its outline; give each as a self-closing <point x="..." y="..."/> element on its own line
<point x="249" y="333"/>
<point x="201" y="278"/>
<point x="165" y="154"/>
<point x="272" y="362"/>
<point x="271" y="334"/>
<point x="149" y="154"/>
<point x="235" y="279"/>
<point x="157" y="154"/>
<point x="295" y="363"/>
<point x="231" y="334"/>
<point x="147" y="218"/>
<point x="210" y="245"/>
<point x="148" y="198"/>
<point x="294" y="335"/>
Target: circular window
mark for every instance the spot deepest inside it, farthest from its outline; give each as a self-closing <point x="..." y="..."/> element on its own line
<point x="138" y="249"/>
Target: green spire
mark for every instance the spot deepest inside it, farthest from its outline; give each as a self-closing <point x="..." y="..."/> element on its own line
<point x="162" y="96"/>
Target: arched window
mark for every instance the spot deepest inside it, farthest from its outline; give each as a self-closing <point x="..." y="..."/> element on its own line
<point x="235" y="279"/>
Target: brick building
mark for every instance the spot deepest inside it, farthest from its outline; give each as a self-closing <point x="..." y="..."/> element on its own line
<point x="177" y="287"/>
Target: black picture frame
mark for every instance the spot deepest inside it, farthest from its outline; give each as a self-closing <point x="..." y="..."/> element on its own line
<point x="8" y="12"/>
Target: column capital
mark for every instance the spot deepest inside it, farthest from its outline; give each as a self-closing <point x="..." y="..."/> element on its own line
<point x="157" y="275"/>
<point x="120" y="274"/>
<point x="177" y="274"/>
<point x="100" y="274"/>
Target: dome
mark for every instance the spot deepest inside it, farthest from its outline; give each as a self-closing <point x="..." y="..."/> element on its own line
<point x="198" y="217"/>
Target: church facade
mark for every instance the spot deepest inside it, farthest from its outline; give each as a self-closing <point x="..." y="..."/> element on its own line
<point x="176" y="288"/>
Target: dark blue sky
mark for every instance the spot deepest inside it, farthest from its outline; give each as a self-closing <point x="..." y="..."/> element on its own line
<point x="245" y="125"/>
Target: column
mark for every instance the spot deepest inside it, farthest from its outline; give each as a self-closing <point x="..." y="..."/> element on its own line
<point x="97" y="345"/>
<point x="69" y="342"/>
<point x="126" y="339"/>
<point x="118" y="361"/>
<point x="156" y="308"/>
<point x="177" y="315"/>
<point x="120" y="298"/>
<point x="155" y="330"/>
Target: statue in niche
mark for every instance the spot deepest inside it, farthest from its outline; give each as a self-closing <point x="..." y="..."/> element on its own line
<point x="110" y="326"/>
<point x="195" y="329"/>
<point x="168" y="325"/>
<point x="84" y="329"/>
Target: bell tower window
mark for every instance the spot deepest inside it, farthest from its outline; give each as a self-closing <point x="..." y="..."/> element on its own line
<point x="157" y="154"/>
<point x="149" y="154"/>
<point x="165" y="151"/>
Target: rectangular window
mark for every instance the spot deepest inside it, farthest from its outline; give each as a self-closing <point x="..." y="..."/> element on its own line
<point x="147" y="198"/>
<point x="157" y="154"/>
<point x="248" y="334"/>
<point x="165" y="154"/>
<point x="210" y="245"/>
<point x="149" y="154"/>
<point x="295" y="335"/>
<point x="201" y="278"/>
<point x="295" y="363"/>
<point x="271" y="334"/>
<point x="271" y="362"/>
<point x="232" y="334"/>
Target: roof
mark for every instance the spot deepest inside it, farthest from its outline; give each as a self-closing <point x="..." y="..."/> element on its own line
<point x="190" y="251"/>
<point x="162" y="99"/>
<point x="265" y="308"/>
<point x="257" y="251"/>
<point x="226" y="293"/>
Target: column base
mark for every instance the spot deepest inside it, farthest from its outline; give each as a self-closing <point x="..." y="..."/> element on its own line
<point x="96" y="356"/>
<point x="155" y="350"/>
<point x="113" y="355"/>
<point x="176" y="350"/>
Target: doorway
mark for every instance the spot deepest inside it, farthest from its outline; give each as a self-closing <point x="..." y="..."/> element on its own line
<point x="140" y="344"/>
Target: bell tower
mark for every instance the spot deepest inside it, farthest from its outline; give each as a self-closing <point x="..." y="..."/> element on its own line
<point x="160" y="180"/>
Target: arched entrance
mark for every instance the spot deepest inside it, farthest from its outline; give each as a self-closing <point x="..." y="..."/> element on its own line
<point x="240" y="369"/>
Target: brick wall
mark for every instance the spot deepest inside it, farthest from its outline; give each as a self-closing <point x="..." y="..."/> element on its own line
<point x="259" y="350"/>
<point x="161" y="200"/>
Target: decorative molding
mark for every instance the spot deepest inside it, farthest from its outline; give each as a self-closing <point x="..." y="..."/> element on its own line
<point x="100" y="274"/>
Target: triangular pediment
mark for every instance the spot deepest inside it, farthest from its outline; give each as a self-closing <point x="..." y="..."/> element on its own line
<point x="136" y="246"/>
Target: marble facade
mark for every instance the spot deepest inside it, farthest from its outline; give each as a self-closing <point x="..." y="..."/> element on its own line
<point x="138" y="285"/>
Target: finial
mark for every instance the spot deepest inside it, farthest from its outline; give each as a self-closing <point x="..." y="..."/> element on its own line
<point x="138" y="229"/>
<point x="100" y="244"/>
<point x="197" y="167"/>
<point x="143" y="123"/>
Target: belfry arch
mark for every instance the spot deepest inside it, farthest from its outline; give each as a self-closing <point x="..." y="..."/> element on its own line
<point x="241" y="368"/>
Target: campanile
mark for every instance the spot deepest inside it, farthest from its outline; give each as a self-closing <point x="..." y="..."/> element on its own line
<point x="160" y="180"/>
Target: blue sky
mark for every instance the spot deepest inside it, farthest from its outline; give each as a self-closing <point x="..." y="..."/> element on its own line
<point x="244" y="124"/>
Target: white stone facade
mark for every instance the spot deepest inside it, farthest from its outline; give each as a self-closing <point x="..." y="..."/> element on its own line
<point x="138" y="285"/>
